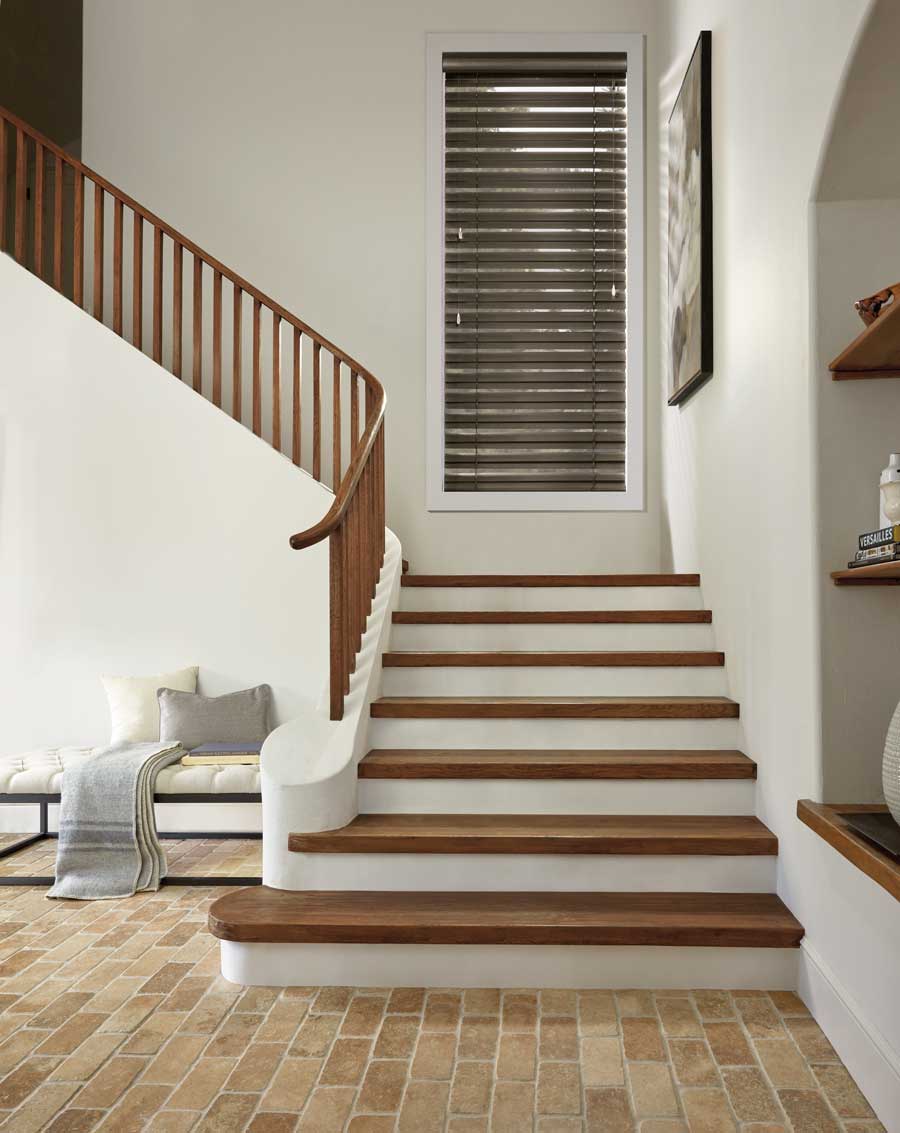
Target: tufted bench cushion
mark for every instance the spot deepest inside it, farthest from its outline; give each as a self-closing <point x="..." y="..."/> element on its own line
<point x="41" y="772"/>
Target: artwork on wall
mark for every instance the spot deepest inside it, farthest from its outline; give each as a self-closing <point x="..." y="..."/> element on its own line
<point x="690" y="228"/>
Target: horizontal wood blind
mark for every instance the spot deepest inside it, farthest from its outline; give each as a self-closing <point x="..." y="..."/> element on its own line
<point x="534" y="273"/>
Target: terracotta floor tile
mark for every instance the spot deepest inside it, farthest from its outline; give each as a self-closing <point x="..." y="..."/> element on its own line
<point x="363" y="1016"/>
<point x="40" y="1109"/>
<point x="788" y="1003"/>
<point x="346" y="1063"/>
<point x="678" y="1017"/>
<point x="728" y="1044"/>
<point x="134" y="1110"/>
<point x="635" y="1003"/>
<point x="424" y="1107"/>
<point x="597" y="1013"/>
<point x="315" y="1036"/>
<point x="256" y="1066"/>
<point x="442" y="1011"/>
<point x="471" y="1088"/>
<point x="809" y="1037"/>
<point x="607" y="1111"/>
<point x="558" y="1001"/>
<point x="558" y="1088"/>
<point x="558" y="1037"/>
<point x="652" y="1091"/>
<point x="292" y="1084"/>
<point x="693" y="1063"/>
<point x="369" y="1123"/>
<point x="434" y="1056"/>
<point x="406" y="1000"/>
<point x="784" y="1064"/>
<point x="174" y="1060"/>
<point x="229" y="1113"/>
<point x="512" y="1107"/>
<point x="759" y="1017"/>
<point x="202" y="1083"/>
<point x="382" y="1088"/>
<point x="708" y="1111"/>
<point x="478" y="1036"/>
<point x="517" y="1058"/>
<point x="332" y="999"/>
<point x="808" y="1111"/>
<point x="601" y="1061"/>
<point x="843" y="1093"/>
<point x="397" y="1037"/>
<point x="750" y="1095"/>
<point x="643" y="1040"/>
<point x="519" y="1011"/>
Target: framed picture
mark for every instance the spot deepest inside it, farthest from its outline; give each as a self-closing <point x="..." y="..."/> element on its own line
<point x="690" y="228"/>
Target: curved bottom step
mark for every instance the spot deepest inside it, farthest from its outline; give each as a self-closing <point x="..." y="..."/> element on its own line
<point x="731" y="920"/>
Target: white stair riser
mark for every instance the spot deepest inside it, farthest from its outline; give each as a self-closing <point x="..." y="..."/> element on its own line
<point x="551" y="598"/>
<point x="499" y="965"/>
<point x="554" y="681"/>
<point x="562" y="735"/>
<point x="557" y="796"/>
<point x="536" y="872"/>
<point x="633" y="635"/>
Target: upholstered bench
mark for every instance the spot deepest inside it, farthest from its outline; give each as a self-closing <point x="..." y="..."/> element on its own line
<point x="36" y="777"/>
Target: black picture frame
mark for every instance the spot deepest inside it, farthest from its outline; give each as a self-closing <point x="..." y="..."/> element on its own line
<point x="690" y="229"/>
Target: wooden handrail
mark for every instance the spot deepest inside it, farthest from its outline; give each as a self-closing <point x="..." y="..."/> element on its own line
<point x="355" y="521"/>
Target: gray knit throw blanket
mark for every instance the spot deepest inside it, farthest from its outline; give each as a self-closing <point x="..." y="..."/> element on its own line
<point x="107" y="828"/>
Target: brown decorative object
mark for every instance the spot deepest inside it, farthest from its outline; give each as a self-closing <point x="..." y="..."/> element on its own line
<point x="870" y="308"/>
<point x="875" y="353"/>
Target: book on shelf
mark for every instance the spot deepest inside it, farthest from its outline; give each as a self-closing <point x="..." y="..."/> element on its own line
<point x="880" y="538"/>
<point x="206" y="754"/>
<point x="888" y="550"/>
<point x="893" y="556"/>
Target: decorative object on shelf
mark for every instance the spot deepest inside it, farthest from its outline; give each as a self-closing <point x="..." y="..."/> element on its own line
<point x="890" y="768"/>
<point x="690" y="227"/>
<point x="875" y="352"/>
<point x="870" y="308"/>
<point x="889" y="489"/>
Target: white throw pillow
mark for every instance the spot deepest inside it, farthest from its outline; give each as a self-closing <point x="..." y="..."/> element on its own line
<point x="133" y="706"/>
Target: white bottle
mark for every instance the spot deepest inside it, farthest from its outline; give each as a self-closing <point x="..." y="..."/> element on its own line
<point x="889" y="491"/>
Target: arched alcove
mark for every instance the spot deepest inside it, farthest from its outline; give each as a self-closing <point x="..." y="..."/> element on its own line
<point x="856" y="251"/>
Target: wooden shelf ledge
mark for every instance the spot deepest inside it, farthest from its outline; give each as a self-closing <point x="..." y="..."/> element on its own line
<point x="875" y="352"/>
<point x="879" y="574"/>
<point x="826" y="819"/>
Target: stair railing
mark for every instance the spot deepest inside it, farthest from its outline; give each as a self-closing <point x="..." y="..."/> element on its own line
<point x="55" y="213"/>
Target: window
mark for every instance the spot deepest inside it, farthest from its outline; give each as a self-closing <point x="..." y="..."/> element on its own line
<point x="535" y="281"/>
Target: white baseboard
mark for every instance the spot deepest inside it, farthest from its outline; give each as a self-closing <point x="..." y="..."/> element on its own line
<point x="499" y="965"/>
<point x="864" y="1050"/>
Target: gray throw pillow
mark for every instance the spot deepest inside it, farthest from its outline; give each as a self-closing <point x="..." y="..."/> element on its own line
<point x="235" y="718"/>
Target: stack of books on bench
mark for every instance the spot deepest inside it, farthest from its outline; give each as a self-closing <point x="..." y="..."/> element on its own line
<point x="222" y="753"/>
<point x="881" y="546"/>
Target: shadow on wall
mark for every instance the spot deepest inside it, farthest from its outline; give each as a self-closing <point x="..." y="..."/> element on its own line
<point x="856" y="251"/>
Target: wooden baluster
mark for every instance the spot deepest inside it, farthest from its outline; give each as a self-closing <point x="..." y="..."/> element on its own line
<point x="137" y="286"/>
<point x="350" y="569"/>
<point x="198" y="324"/>
<point x="118" y="223"/>
<point x="21" y="186"/>
<point x="78" y="241"/>
<point x="336" y="426"/>
<point x="157" y="294"/>
<point x="4" y="177"/>
<point x="39" y="210"/>
<point x="236" y="363"/>
<point x="98" y="252"/>
<point x="58" y="189"/>
<point x="276" y="382"/>
<point x="295" y="404"/>
<point x="317" y="413"/>
<point x="336" y="623"/>
<point x="217" y="339"/>
<point x="257" y="381"/>
<point x="177" y="307"/>
<point x="354" y="410"/>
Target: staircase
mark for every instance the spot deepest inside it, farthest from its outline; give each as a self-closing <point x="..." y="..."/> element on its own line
<point x="555" y="763"/>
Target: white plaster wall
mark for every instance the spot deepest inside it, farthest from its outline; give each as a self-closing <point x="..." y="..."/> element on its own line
<point x="739" y="483"/>
<point x="857" y="253"/>
<point x="140" y="530"/>
<point x="288" y="138"/>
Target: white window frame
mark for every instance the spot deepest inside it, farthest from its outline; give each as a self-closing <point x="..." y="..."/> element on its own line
<point x="632" y="498"/>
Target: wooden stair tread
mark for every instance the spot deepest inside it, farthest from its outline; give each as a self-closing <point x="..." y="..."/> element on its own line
<point x="542" y="834"/>
<point x="551" y="617"/>
<point x="259" y="914"/>
<point x="411" y="659"/>
<point x="524" y="764"/>
<point x="555" y="707"/>
<point x="525" y="580"/>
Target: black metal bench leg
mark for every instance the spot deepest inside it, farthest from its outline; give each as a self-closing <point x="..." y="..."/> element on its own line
<point x="29" y="839"/>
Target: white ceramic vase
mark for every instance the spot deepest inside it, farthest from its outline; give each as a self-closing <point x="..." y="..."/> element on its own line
<point x="891" y="766"/>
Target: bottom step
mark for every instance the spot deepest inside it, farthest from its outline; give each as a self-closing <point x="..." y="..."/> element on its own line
<point x="706" y="920"/>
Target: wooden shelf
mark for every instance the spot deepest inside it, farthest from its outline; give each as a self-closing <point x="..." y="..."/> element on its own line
<point x="875" y="353"/>
<point x="827" y="821"/>
<point x="879" y="574"/>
